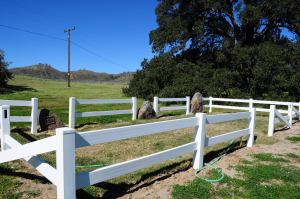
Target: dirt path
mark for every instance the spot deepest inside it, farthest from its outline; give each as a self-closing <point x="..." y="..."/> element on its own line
<point x="163" y="188"/>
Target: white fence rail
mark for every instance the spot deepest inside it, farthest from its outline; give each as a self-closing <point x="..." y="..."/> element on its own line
<point x="73" y="102"/>
<point x="33" y="118"/>
<point x="186" y="107"/>
<point x="249" y="102"/>
<point x="275" y="115"/>
<point x="66" y="141"/>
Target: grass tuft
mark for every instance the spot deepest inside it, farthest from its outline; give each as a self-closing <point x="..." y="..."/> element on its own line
<point x="293" y="139"/>
<point x="269" y="157"/>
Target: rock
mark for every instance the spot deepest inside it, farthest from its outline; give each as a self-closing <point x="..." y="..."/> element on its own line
<point x="49" y="120"/>
<point x="197" y="103"/>
<point x="146" y="111"/>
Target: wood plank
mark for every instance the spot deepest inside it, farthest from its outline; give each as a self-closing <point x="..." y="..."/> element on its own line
<point x="15" y="102"/>
<point x="99" y="175"/>
<point x="35" y="161"/>
<point x="102" y="113"/>
<point x="271" y="102"/>
<point x="103" y="101"/>
<point x="282" y="111"/>
<point x="226" y="137"/>
<point x="282" y="118"/>
<point x="212" y="119"/>
<point x="20" y="118"/>
<point x="172" y="99"/>
<point x="230" y="100"/>
<point x="230" y="107"/>
<point x="34" y="148"/>
<point x="296" y="111"/>
<point x="170" y="108"/>
<point x="120" y="133"/>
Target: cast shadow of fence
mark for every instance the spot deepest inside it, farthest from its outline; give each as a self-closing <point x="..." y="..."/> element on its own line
<point x="117" y="190"/>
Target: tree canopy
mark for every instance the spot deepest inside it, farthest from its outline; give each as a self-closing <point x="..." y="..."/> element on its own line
<point x="225" y="48"/>
<point x="5" y="75"/>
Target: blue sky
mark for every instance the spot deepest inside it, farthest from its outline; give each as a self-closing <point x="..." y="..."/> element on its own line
<point x="116" y="30"/>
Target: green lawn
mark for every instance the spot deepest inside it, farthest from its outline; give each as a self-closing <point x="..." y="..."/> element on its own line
<point x="54" y="95"/>
<point x="266" y="176"/>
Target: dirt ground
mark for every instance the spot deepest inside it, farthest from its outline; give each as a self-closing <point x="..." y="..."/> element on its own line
<point x="160" y="186"/>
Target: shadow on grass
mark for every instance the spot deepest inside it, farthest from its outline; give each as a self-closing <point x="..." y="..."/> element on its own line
<point x="13" y="173"/>
<point x="114" y="190"/>
<point x="21" y="132"/>
<point x="14" y="88"/>
<point x="85" y="124"/>
<point x="117" y="190"/>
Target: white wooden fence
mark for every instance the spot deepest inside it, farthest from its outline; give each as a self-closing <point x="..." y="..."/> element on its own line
<point x="33" y="118"/>
<point x="73" y="102"/>
<point x="275" y="115"/>
<point x="157" y="107"/>
<point x="66" y="141"/>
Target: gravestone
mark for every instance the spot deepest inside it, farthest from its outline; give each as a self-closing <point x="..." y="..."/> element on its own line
<point x="49" y="120"/>
<point x="197" y="103"/>
<point x="146" y="111"/>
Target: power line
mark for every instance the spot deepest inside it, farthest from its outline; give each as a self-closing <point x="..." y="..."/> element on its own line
<point x="95" y="54"/>
<point x="34" y="33"/>
<point x="62" y="39"/>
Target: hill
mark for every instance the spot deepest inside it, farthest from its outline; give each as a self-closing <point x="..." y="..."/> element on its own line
<point x="46" y="71"/>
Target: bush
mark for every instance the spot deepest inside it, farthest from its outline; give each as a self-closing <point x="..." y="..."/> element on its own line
<point x="5" y="75"/>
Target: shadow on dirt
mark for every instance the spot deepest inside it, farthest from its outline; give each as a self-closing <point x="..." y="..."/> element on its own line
<point x="117" y="190"/>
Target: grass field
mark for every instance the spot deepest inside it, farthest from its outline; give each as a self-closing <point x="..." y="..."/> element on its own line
<point x="54" y="96"/>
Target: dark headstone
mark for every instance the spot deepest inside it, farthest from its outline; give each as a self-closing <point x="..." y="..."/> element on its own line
<point x="146" y="111"/>
<point x="197" y="103"/>
<point x="49" y="120"/>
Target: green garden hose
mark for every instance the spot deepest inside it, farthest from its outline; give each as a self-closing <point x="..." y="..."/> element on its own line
<point x="197" y="172"/>
<point x="93" y="165"/>
<point x="211" y="164"/>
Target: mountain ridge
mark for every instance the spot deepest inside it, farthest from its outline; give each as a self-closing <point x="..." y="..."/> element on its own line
<point x="47" y="71"/>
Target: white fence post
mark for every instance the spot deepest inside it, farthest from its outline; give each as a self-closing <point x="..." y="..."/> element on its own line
<point x="65" y="163"/>
<point x="271" y="120"/>
<point x="155" y="105"/>
<point x="134" y="108"/>
<point x="34" y="114"/>
<point x="290" y="113"/>
<point x="4" y="124"/>
<point x="200" y="138"/>
<point x="210" y="104"/>
<point x="250" y="104"/>
<point x="188" y="105"/>
<point x="72" y="112"/>
<point x="252" y="127"/>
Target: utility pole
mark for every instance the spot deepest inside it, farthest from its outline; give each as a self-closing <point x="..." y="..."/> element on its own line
<point x="69" y="67"/>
